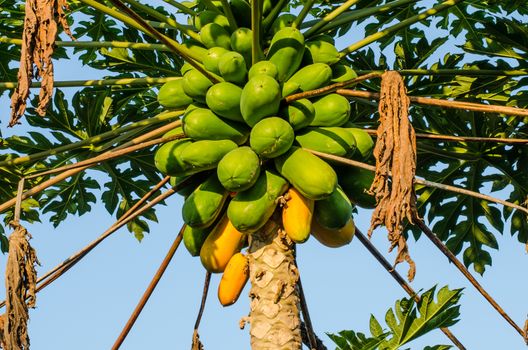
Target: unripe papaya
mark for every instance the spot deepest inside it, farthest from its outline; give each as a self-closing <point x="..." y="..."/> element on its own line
<point x="331" y="110"/>
<point x="203" y="155"/>
<point x="224" y="99"/>
<point x="194" y="46"/>
<point x="209" y="16"/>
<point x="242" y="42"/>
<point x="355" y="183"/>
<point x="167" y="157"/>
<point x="204" y="205"/>
<point x="251" y="209"/>
<point x="212" y="57"/>
<point x="341" y="73"/>
<point x="271" y="137"/>
<point x="364" y="143"/>
<point x="194" y="238"/>
<point x="185" y="68"/>
<point x="242" y="12"/>
<point x="320" y="51"/>
<point x="234" y="278"/>
<point x="267" y="6"/>
<point x="203" y="124"/>
<point x="195" y="85"/>
<point x="334" y="211"/>
<point x="232" y="67"/>
<point x="263" y="67"/>
<point x="221" y="244"/>
<point x="213" y="35"/>
<point x="299" y="113"/>
<point x="184" y="184"/>
<point x="297" y="216"/>
<point x="333" y="140"/>
<point x="334" y="238"/>
<point x="172" y="95"/>
<point x="239" y="169"/>
<point x="260" y="98"/>
<point x="307" y="78"/>
<point x="309" y="174"/>
<point x="283" y="21"/>
<point x="286" y="52"/>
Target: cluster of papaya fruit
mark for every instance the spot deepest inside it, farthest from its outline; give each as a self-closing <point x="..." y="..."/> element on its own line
<point x="245" y="150"/>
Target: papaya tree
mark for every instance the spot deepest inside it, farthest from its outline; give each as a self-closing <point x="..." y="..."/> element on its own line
<point x="275" y="121"/>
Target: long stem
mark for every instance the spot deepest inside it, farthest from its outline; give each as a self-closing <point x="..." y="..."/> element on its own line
<point x="405" y="23"/>
<point x="464" y="72"/>
<point x="209" y="4"/>
<point x="229" y="14"/>
<point x="256" y="16"/>
<point x="97" y="82"/>
<point x="181" y="7"/>
<point x="97" y="44"/>
<point x="304" y="12"/>
<point x="331" y="16"/>
<point x="274" y="13"/>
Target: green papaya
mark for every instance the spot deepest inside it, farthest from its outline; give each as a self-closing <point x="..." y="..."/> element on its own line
<point x="171" y="95"/>
<point x="309" y="174"/>
<point x="242" y="12"/>
<point x="167" y="157"/>
<point x="333" y="140"/>
<point x="239" y="169"/>
<point x="308" y="78"/>
<point x="334" y="211"/>
<point x="364" y="143"/>
<point x="341" y="73"/>
<point x="193" y="238"/>
<point x="286" y="52"/>
<point x="195" y="85"/>
<point x="211" y="58"/>
<point x="355" y="183"/>
<point x="232" y="67"/>
<point x="203" y="124"/>
<point x="213" y="35"/>
<point x="260" y="98"/>
<point x="224" y="99"/>
<point x="249" y="210"/>
<point x="331" y="110"/>
<point x="283" y="21"/>
<point x="204" y="205"/>
<point x="203" y="155"/>
<point x="185" y="68"/>
<point x="176" y="131"/>
<point x="208" y="16"/>
<point x="299" y="113"/>
<point x="271" y="137"/>
<point x="320" y="51"/>
<point x="263" y="67"/>
<point x="242" y="42"/>
<point x="267" y="6"/>
<point x="185" y="184"/>
<point x="195" y="47"/>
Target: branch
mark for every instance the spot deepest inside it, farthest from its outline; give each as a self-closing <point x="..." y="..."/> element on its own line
<point x="97" y="44"/>
<point x="196" y="344"/>
<point x="182" y="8"/>
<point x="256" y="15"/>
<point x="464" y="72"/>
<point x="272" y="16"/>
<point x="304" y="12"/>
<point x="330" y="17"/>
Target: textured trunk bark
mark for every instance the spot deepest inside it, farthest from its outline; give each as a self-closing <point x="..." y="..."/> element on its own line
<point x="274" y="296"/>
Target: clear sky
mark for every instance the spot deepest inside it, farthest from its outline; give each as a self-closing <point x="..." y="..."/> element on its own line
<point x="88" y="306"/>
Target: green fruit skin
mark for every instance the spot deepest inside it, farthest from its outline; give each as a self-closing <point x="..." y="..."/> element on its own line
<point x="260" y="98"/>
<point x="331" y="110"/>
<point x="239" y="169"/>
<point x="193" y="238"/>
<point x="196" y="47"/>
<point x="212" y="57"/>
<point x="341" y="73"/>
<point x="242" y="12"/>
<point x="224" y="99"/>
<point x="286" y="52"/>
<point x="203" y="124"/>
<point x="176" y="131"/>
<point x="283" y="21"/>
<point x="299" y="113"/>
<point x="333" y="140"/>
<point x="185" y="68"/>
<point x="209" y="16"/>
<point x="242" y="42"/>
<point x="333" y="212"/>
<point x="232" y="67"/>
<point x="203" y="155"/>
<point x="250" y="210"/>
<point x="172" y="95"/>
<point x="355" y="182"/>
<point x="271" y="137"/>
<point x="187" y="189"/>
<point x="364" y="143"/>
<point x="320" y="51"/>
<point x="167" y="157"/>
<point x="213" y="35"/>
<point x="265" y="68"/>
<point x="195" y="85"/>
<point x="309" y="174"/>
<point x="307" y="78"/>
<point x="204" y="205"/>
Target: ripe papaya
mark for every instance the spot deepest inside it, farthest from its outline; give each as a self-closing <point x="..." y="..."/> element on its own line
<point x="234" y="278"/>
<point x="204" y="205"/>
<point x="331" y="110"/>
<point x="220" y="245"/>
<point x="195" y="85"/>
<point x="320" y="51"/>
<point x="203" y="124"/>
<point x="224" y="99"/>
<point x="364" y="143"/>
<point x="283" y="21"/>
<point x="355" y="183"/>
<point x="286" y="52"/>
<point x="232" y="67"/>
<point x="203" y="155"/>
<point x="213" y="35"/>
<point x="299" y="113"/>
<point x="242" y="12"/>
<point x="334" y="211"/>
<point x="333" y="140"/>
<point x="172" y="95"/>
<point x="334" y="238"/>
<point x="297" y="216"/>
<point x="263" y="67"/>
<point x="260" y="98"/>
<point x="309" y="77"/>
<point x="211" y="58"/>
<point x="194" y="238"/>
<point x="271" y="137"/>
<point x="167" y="157"/>
<point x="242" y="42"/>
<point x="209" y="16"/>
<point x="239" y="169"/>
<point x="309" y="174"/>
<point x="249" y="210"/>
<point x="341" y="73"/>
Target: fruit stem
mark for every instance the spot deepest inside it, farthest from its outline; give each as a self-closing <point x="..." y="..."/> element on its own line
<point x="209" y="4"/>
<point x="304" y="12"/>
<point x="256" y="16"/>
<point x="181" y="7"/>
<point x="331" y="16"/>
<point x="229" y="14"/>
<point x="464" y="72"/>
<point x="100" y="82"/>
<point x="405" y="23"/>
<point x="272" y="16"/>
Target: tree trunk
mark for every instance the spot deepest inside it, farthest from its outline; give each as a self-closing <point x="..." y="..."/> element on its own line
<point x="274" y="296"/>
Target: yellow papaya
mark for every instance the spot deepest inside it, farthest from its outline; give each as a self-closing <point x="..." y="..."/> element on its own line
<point x="234" y="278"/>
<point x="297" y="216"/>
<point x="334" y="238"/>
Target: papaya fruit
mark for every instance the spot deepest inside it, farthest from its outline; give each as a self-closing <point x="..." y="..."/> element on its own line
<point x="204" y="205"/>
<point x="333" y="140"/>
<point x="364" y="143"/>
<point x="309" y="174"/>
<point x="195" y="85"/>
<point x="172" y="95"/>
<point x="271" y="137"/>
<point x="203" y="124"/>
<point x="221" y="244"/>
<point x="167" y="157"/>
<point x="232" y="67"/>
<point x="320" y="51"/>
<point x="185" y="68"/>
<point x="334" y="211"/>
<point x="263" y="67"/>
<point x="184" y="188"/>
<point x="203" y="155"/>
<point x="286" y="52"/>
<point x="195" y="47"/>
<point x="224" y="99"/>
<point x="249" y="210"/>
<point x="355" y="183"/>
<point x="299" y="113"/>
<point x="213" y="35"/>
<point x="267" y="6"/>
<point x="297" y="215"/>
<point x="176" y="131"/>
<point x="234" y="278"/>
<point x="239" y="169"/>
<point x="334" y="238"/>
<point x="209" y="16"/>
<point x="260" y="98"/>
<point x="242" y="12"/>
<point x="309" y="77"/>
<point x="194" y="238"/>
<point x="211" y="58"/>
<point x="331" y="110"/>
<point x="283" y="21"/>
<point x="242" y="42"/>
<point x="341" y="73"/>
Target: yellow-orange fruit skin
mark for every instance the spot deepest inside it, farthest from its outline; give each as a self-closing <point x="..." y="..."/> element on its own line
<point x="334" y="238"/>
<point x="233" y="280"/>
<point x="297" y="216"/>
<point x="221" y="244"/>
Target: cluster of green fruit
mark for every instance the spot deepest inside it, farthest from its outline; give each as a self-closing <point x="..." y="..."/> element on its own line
<point x="245" y="146"/>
